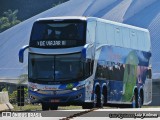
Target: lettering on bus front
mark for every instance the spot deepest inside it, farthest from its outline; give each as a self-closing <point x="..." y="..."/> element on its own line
<point x="51" y="43"/>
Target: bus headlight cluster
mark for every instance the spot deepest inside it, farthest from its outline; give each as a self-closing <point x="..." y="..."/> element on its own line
<point x="30" y="88"/>
<point x="78" y="87"/>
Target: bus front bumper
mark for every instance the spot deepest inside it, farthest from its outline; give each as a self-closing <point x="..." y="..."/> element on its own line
<point x="73" y="97"/>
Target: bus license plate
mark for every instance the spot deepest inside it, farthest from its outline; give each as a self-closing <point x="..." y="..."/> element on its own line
<point x="55" y="101"/>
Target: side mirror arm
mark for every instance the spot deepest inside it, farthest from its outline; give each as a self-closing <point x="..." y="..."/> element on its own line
<point x="21" y="53"/>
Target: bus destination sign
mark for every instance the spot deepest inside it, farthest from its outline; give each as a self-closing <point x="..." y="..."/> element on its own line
<point x="50" y="43"/>
<point x="54" y="43"/>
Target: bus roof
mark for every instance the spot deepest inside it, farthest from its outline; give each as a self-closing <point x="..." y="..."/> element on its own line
<point x="117" y="23"/>
<point x="60" y="18"/>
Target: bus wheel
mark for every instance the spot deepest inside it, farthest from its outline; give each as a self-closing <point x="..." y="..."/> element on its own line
<point x="91" y="105"/>
<point x="102" y="101"/>
<point x="135" y="99"/>
<point x="141" y="99"/>
<point x="98" y="100"/>
<point x="45" y="106"/>
<point x="105" y="95"/>
<point x="139" y="102"/>
<point x="53" y="107"/>
<point x="87" y="106"/>
<point x="95" y="101"/>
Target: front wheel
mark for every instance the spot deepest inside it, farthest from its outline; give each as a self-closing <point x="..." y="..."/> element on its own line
<point x="95" y="104"/>
<point x="87" y="106"/>
<point x="92" y="104"/>
<point x="53" y="107"/>
<point x="45" y="106"/>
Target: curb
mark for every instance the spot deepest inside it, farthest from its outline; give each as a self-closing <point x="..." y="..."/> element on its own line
<point x="5" y="105"/>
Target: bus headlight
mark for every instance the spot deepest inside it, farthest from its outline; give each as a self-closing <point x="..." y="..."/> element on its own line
<point x="74" y="89"/>
<point x="78" y="87"/>
<point x="35" y="90"/>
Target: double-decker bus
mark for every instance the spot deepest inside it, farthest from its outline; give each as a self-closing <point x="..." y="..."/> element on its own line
<point x="88" y="61"/>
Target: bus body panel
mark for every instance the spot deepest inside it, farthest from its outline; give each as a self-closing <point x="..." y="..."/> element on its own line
<point x="107" y="45"/>
<point x="63" y="93"/>
<point x="122" y="35"/>
<point x="122" y="69"/>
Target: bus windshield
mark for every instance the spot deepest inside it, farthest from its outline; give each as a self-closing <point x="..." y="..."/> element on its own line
<point x="64" y="33"/>
<point x="55" y="68"/>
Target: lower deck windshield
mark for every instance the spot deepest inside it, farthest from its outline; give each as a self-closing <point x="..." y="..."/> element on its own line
<point x="55" y="67"/>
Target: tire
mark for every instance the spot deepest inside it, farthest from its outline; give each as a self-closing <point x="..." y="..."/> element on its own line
<point x="105" y="96"/>
<point x="98" y="100"/>
<point x="139" y="102"/>
<point x="87" y="106"/>
<point x="53" y="107"/>
<point x="91" y="105"/>
<point x="95" y="104"/>
<point x="102" y="101"/>
<point x="135" y="99"/>
<point x="45" y="106"/>
<point x="140" y="99"/>
<point x="95" y="101"/>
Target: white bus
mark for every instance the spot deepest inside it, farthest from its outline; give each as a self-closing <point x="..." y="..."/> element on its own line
<point x="88" y="61"/>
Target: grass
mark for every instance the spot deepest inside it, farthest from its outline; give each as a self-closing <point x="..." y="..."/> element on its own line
<point x="37" y="107"/>
<point x="27" y="107"/>
<point x="150" y="106"/>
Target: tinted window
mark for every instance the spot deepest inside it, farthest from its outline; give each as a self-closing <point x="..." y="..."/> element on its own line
<point x="110" y="70"/>
<point x="58" y="34"/>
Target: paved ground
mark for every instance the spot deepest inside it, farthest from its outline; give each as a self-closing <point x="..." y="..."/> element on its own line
<point x="86" y="114"/>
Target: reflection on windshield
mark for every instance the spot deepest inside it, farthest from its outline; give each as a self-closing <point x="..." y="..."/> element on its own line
<point x="59" y="68"/>
<point x="58" y="31"/>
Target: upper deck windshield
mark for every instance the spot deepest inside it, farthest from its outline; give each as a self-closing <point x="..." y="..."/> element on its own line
<point x="55" y="68"/>
<point x="58" y="34"/>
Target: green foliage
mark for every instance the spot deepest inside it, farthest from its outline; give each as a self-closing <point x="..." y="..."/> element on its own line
<point x="28" y="107"/>
<point x="13" y="97"/>
<point x="23" y="78"/>
<point x="8" y="20"/>
<point x="26" y="94"/>
<point x="4" y="89"/>
<point x="4" y="23"/>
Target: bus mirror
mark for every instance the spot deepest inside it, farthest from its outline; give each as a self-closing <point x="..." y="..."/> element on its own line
<point x="21" y="53"/>
<point x="84" y="51"/>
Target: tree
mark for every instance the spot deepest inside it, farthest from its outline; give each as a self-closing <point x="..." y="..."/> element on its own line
<point x="4" y="23"/>
<point x="8" y="20"/>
